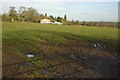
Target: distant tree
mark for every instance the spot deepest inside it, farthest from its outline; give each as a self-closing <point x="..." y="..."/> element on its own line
<point x="12" y="13"/>
<point x="117" y="24"/>
<point x="51" y="17"/>
<point x="74" y="22"/>
<point x="22" y="13"/>
<point x="31" y="14"/>
<point x="55" y="18"/>
<point x="101" y="24"/>
<point x="65" y="17"/>
<point x="5" y="17"/>
<point x="0" y="18"/>
<point x="46" y="15"/>
<point x="59" y="19"/>
<point x="77" y="22"/>
<point x="83" y="23"/>
<point x="89" y="24"/>
<point x="37" y="17"/>
<point x="42" y="16"/>
<point x="94" y="23"/>
<point x="65" y="22"/>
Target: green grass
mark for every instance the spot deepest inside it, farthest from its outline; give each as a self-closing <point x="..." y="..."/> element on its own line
<point x="44" y="29"/>
<point x="23" y="35"/>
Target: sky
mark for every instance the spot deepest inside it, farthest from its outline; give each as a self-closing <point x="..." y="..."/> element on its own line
<point x="83" y="11"/>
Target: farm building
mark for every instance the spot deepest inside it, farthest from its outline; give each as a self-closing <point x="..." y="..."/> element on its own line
<point x="55" y="22"/>
<point x="45" y="21"/>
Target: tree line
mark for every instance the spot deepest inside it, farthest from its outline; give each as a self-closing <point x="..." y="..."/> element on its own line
<point x="28" y="14"/>
<point x="32" y="15"/>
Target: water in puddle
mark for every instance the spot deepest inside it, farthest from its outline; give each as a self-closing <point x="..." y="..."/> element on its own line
<point x="119" y="61"/>
<point x="72" y="56"/>
<point x="30" y="55"/>
<point x="98" y="46"/>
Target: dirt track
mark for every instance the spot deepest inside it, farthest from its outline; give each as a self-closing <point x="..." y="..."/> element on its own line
<point x="73" y="59"/>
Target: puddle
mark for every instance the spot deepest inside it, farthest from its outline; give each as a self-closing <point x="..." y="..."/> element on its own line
<point x="99" y="46"/>
<point x="74" y="41"/>
<point x="72" y="56"/>
<point x="84" y="57"/>
<point x="104" y="46"/>
<point x="44" y="72"/>
<point x="114" y="58"/>
<point x="119" y="61"/>
<point x="95" y="45"/>
<point x="30" y="55"/>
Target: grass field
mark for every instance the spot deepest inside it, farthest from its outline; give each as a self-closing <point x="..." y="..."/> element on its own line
<point x="48" y="41"/>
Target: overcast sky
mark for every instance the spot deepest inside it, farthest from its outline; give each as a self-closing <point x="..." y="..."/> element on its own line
<point x="87" y="11"/>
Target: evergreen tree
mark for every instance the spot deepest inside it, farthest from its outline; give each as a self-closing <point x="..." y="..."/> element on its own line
<point x="59" y="19"/>
<point x="65" y="17"/>
<point x="46" y="15"/>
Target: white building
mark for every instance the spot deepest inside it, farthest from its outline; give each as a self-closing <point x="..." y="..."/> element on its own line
<point x="57" y="22"/>
<point x="45" y="21"/>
